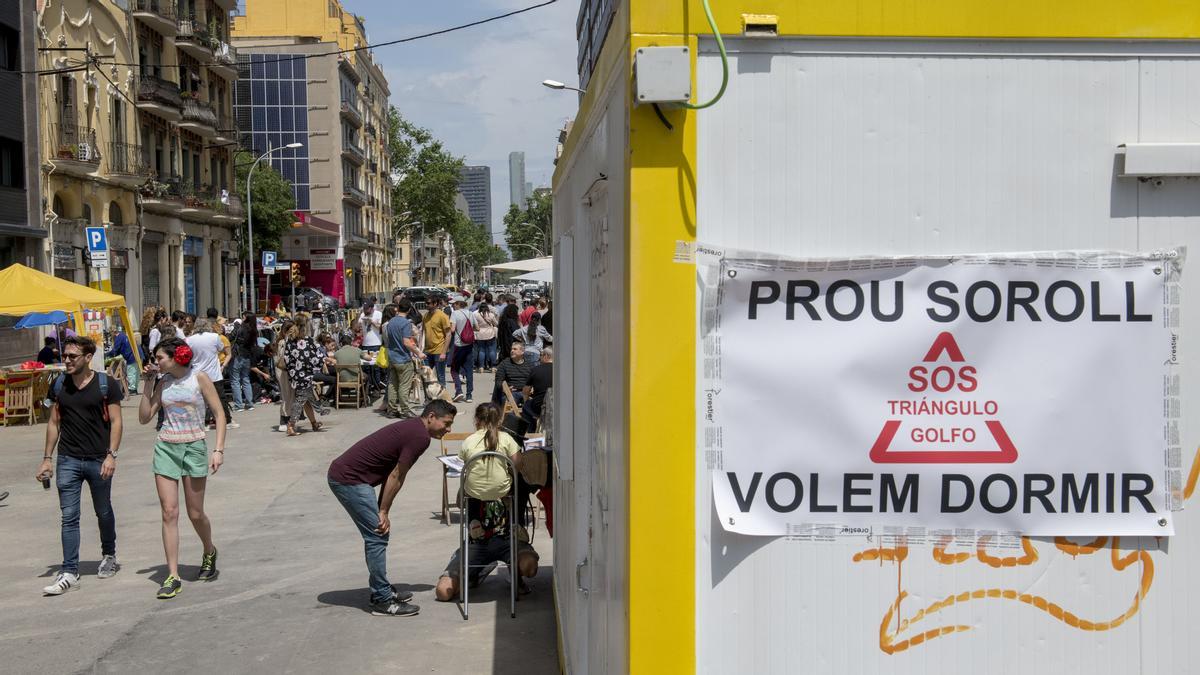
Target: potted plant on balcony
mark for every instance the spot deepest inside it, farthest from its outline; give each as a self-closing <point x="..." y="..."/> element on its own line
<point x="66" y="152"/>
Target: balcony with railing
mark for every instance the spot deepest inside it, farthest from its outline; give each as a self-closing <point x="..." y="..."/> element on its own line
<point x="74" y="149"/>
<point x="226" y="129"/>
<point x="159" y="96"/>
<point x="225" y="61"/>
<point x="351" y="193"/>
<point x="198" y="117"/>
<point x="351" y="114"/>
<point x="158" y="14"/>
<point x="128" y="163"/>
<point x="352" y="152"/>
<point x="194" y="39"/>
<point x="346" y="64"/>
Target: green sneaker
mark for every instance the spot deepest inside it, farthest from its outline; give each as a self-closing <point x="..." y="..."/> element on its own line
<point x="208" y="567"/>
<point x="170" y="588"/>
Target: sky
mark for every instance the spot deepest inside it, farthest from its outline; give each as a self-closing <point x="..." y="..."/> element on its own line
<point x="479" y="90"/>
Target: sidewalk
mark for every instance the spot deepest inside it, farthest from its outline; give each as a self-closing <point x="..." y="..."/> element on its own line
<point x="292" y="593"/>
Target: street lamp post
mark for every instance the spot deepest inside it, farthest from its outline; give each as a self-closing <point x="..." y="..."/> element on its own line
<point x="538" y="250"/>
<point x="250" y="222"/>
<point x="555" y="84"/>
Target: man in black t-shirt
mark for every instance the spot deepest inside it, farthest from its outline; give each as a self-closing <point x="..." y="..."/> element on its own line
<point x="541" y="378"/>
<point x="85" y="426"/>
<point x="515" y="371"/>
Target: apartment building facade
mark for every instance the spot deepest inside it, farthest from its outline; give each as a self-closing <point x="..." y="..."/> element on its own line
<point x="136" y="135"/>
<point x="294" y="86"/>
<point x="22" y="232"/>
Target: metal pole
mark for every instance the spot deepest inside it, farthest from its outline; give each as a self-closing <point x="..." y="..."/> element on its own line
<point x="250" y="237"/>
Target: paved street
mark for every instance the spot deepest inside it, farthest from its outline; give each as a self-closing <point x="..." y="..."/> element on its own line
<point x="292" y="591"/>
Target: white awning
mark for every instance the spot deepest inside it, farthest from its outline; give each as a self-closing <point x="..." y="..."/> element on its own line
<point x="546" y="275"/>
<point x="530" y="265"/>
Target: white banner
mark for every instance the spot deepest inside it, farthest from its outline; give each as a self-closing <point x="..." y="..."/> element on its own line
<point x="1031" y="394"/>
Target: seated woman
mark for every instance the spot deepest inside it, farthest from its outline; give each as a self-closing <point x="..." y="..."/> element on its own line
<point x="488" y="487"/>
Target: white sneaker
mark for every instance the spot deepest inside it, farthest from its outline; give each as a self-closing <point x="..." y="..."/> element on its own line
<point x="108" y="567"/>
<point x="232" y="425"/>
<point x="281" y="427"/>
<point x="65" y="582"/>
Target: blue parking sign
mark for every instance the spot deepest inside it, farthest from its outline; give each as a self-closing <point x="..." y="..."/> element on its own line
<point x="97" y="239"/>
<point x="269" y="260"/>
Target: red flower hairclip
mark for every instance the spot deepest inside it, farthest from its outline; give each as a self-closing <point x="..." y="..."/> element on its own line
<point x="183" y="355"/>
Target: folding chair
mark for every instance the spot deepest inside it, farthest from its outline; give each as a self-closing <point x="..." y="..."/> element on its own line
<point x="18" y="398"/>
<point x="447" y="474"/>
<point x="354" y="385"/>
<point x="510" y="402"/>
<point x="464" y="580"/>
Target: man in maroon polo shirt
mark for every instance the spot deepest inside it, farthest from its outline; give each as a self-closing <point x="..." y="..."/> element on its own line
<point x="384" y="458"/>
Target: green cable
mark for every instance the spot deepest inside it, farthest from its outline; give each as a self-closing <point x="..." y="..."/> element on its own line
<point x="712" y="23"/>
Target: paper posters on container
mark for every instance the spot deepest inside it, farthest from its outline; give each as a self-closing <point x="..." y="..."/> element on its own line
<point x="1019" y="393"/>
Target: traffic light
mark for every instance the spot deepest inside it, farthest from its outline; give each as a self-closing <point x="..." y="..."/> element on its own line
<point x="295" y="269"/>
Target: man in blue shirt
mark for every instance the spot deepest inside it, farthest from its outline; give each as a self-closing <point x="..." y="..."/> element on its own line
<point x="122" y="348"/>
<point x="401" y="350"/>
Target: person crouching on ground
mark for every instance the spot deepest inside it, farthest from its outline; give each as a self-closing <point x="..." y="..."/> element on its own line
<point x="183" y="393"/>
<point x="384" y="457"/>
<point x="489" y="491"/>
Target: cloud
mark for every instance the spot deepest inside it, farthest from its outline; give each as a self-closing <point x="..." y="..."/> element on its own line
<point x="480" y="90"/>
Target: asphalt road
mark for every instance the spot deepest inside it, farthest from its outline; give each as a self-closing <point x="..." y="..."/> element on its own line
<point x="292" y="593"/>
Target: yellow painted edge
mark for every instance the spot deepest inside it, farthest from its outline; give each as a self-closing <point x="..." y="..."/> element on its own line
<point x="1094" y="19"/>
<point x="662" y="382"/>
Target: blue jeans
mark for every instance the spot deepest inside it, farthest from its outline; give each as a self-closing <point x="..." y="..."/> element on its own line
<point x="239" y="381"/>
<point x="438" y="364"/>
<point x="70" y="475"/>
<point x="463" y="361"/>
<point x="362" y="505"/>
<point x="485" y="353"/>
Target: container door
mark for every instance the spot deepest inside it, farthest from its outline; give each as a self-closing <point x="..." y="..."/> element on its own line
<point x="600" y="418"/>
<point x="572" y="491"/>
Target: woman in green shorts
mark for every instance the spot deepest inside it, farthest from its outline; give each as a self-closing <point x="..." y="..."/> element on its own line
<point x="180" y="453"/>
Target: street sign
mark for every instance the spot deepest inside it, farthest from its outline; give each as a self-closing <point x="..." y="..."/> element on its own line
<point x="269" y="259"/>
<point x="97" y="241"/>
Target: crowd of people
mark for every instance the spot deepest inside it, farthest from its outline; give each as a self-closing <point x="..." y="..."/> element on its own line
<point x="198" y="372"/>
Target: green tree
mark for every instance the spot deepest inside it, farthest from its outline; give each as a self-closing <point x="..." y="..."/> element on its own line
<point x="529" y="231"/>
<point x="475" y="243"/>
<point x="425" y="179"/>
<point x="273" y="201"/>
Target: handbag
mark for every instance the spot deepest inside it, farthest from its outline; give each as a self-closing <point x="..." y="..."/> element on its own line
<point x="381" y="357"/>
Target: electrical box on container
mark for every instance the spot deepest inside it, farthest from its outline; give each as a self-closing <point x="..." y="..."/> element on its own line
<point x="663" y="74"/>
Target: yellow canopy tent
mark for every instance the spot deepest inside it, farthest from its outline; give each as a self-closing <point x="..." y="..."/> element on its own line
<point x="24" y="290"/>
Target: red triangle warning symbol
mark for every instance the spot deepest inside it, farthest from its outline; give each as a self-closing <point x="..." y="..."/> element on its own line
<point x="1004" y="451"/>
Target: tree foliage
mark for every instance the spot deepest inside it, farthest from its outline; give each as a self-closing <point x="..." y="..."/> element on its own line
<point x="474" y="242"/>
<point x="529" y="231"/>
<point x="273" y="201"/>
<point x="424" y="179"/>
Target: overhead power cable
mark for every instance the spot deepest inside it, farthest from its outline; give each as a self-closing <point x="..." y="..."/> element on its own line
<point x="412" y="38"/>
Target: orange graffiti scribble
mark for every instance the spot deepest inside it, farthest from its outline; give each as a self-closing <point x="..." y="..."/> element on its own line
<point x="1194" y="474"/>
<point x="940" y="555"/>
<point x="887" y="640"/>
<point x="1029" y="558"/>
<point x="1074" y="549"/>
<point x="897" y="554"/>
<point x="888" y="643"/>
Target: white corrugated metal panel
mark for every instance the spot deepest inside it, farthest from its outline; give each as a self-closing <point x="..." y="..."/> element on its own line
<point x="592" y="491"/>
<point x="828" y="147"/>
